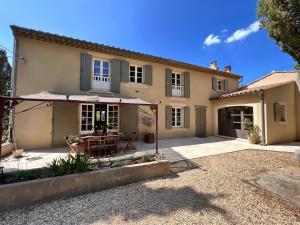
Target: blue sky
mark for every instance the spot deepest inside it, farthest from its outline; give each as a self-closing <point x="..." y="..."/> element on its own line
<point x="169" y="28"/>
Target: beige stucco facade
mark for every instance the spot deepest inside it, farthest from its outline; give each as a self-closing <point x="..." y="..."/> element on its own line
<point x="286" y="94"/>
<point x="56" y="68"/>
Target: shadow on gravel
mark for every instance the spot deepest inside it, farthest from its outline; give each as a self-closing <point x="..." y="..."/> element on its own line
<point x="182" y="166"/>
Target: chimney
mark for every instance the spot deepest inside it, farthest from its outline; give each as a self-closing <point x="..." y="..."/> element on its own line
<point x="227" y="69"/>
<point x="214" y="65"/>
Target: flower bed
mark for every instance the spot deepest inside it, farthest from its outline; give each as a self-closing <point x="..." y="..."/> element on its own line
<point x="71" y="165"/>
<point x="15" y="195"/>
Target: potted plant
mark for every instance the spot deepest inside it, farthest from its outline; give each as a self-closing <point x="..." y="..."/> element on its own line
<point x="252" y="131"/>
<point x="148" y="122"/>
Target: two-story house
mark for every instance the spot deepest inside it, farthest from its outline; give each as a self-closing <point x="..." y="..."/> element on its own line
<point x="45" y="62"/>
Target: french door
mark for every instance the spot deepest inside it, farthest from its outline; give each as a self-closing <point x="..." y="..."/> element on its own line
<point x="95" y="116"/>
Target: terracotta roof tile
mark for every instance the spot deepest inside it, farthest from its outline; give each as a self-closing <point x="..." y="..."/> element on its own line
<point x="68" y="41"/>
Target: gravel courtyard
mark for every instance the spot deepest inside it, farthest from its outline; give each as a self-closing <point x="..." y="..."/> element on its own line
<point x="206" y="190"/>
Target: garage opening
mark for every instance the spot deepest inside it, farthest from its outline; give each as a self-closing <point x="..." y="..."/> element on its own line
<point x="230" y="120"/>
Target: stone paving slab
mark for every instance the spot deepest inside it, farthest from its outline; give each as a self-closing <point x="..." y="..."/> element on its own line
<point x="172" y="149"/>
<point x="283" y="182"/>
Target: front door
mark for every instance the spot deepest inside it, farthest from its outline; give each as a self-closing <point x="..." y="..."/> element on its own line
<point x="100" y="116"/>
<point x="200" y="121"/>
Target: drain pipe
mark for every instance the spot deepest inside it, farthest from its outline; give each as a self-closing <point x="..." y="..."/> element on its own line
<point x="263" y="127"/>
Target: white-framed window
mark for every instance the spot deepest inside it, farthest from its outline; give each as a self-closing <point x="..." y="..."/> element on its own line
<point x="101" y="74"/>
<point x="87" y="112"/>
<point x="220" y="85"/>
<point x="177" y="116"/>
<point x="101" y="68"/>
<point x="176" y="84"/>
<point x="136" y="74"/>
<point x="112" y="117"/>
<point x="280" y="112"/>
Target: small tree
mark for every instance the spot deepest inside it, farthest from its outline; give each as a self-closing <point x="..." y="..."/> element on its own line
<point x="252" y="131"/>
<point x="281" y="18"/>
<point x="148" y="122"/>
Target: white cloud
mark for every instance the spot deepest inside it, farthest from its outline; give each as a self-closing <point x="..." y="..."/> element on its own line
<point x="212" y="39"/>
<point x="243" y="33"/>
<point x="224" y="31"/>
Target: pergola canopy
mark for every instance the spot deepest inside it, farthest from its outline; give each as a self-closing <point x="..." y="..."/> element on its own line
<point x="53" y="97"/>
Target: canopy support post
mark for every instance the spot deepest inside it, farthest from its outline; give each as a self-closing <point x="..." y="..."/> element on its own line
<point x="154" y="109"/>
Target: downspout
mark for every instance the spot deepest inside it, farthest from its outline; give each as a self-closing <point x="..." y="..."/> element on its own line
<point x="263" y="127"/>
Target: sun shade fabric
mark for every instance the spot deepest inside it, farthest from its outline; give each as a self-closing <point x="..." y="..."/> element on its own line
<point x="85" y="71"/>
<point x="53" y="97"/>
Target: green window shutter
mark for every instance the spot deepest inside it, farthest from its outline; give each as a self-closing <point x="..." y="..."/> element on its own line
<point x="124" y="71"/>
<point x="168" y="82"/>
<point x="85" y="71"/>
<point x="186" y="115"/>
<point x="168" y="117"/>
<point x="214" y="83"/>
<point x="148" y="74"/>
<point x="186" y="77"/>
<point x="226" y="85"/>
<point x="115" y="75"/>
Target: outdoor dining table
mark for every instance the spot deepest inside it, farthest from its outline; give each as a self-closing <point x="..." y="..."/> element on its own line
<point x="88" y="139"/>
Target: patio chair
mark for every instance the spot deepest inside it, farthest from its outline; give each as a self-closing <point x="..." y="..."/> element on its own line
<point x="130" y="142"/>
<point x="75" y="147"/>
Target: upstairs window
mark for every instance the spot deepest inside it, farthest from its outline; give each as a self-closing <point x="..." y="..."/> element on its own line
<point x="220" y="86"/>
<point x="101" y="68"/>
<point x="176" y="84"/>
<point x="136" y="74"/>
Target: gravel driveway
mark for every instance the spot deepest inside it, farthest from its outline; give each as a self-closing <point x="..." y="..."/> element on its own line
<point x="206" y="190"/>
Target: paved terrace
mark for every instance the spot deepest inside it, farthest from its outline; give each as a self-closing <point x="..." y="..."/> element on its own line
<point x="172" y="149"/>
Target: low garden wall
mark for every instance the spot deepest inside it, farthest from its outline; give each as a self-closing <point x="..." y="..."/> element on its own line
<point x="21" y="194"/>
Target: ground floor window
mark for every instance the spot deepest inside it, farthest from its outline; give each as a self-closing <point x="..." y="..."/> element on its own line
<point x="86" y="118"/>
<point x="98" y="117"/>
<point x="113" y="117"/>
<point x="177" y="117"/>
<point x="279" y="112"/>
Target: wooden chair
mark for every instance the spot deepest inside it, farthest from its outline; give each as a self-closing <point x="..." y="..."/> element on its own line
<point x="130" y="143"/>
<point x="73" y="146"/>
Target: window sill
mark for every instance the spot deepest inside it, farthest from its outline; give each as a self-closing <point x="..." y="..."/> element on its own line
<point x="100" y="90"/>
<point x="141" y="85"/>
<point x="178" y="98"/>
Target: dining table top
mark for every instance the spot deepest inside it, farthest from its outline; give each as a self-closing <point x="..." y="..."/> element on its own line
<point x="95" y="136"/>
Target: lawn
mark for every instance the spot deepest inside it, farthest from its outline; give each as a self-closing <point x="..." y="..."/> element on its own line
<point x="206" y="190"/>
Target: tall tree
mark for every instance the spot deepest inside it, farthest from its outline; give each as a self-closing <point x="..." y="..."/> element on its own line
<point x="5" y="74"/>
<point x="281" y="18"/>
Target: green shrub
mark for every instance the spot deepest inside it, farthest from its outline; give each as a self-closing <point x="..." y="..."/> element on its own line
<point x="98" y="163"/>
<point x="147" y="158"/>
<point x="69" y="165"/>
<point x="23" y="175"/>
<point x="117" y="163"/>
